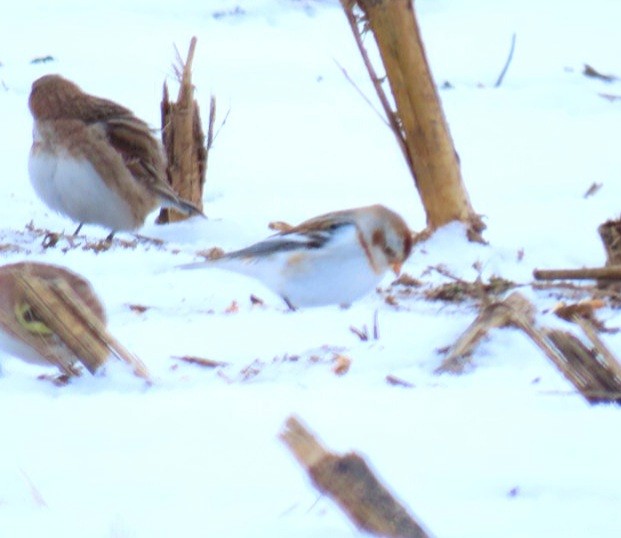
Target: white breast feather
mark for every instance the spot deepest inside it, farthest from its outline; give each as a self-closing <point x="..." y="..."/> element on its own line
<point x="73" y="188"/>
<point x="337" y="273"/>
<point x="17" y="348"/>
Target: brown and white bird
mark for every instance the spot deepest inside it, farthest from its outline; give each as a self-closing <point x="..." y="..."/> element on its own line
<point x="93" y="161"/>
<point x="23" y="334"/>
<point x="52" y="317"/>
<point x="335" y="258"/>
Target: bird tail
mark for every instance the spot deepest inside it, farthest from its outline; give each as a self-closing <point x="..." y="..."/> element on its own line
<point x="183" y="206"/>
<point x="186" y="207"/>
<point x="170" y="199"/>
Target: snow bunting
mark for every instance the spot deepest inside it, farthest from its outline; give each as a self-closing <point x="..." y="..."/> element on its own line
<point x="331" y="259"/>
<point x="93" y="161"/>
<point x="22" y="333"/>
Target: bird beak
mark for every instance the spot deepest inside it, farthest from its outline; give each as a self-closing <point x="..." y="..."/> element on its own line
<point x="396" y="267"/>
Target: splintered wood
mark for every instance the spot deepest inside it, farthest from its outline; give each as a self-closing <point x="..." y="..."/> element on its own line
<point x="350" y="482"/>
<point x="497" y="314"/>
<point x="184" y="141"/>
<point x="584" y="310"/>
<point x="612" y="272"/>
<point x="69" y="318"/>
<point x="594" y="371"/>
<point x="590" y="370"/>
<point x="200" y="361"/>
<point x="57" y="306"/>
<point x="608" y="276"/>
<point x="610" y="234"/>
<point x="418" y="123"/>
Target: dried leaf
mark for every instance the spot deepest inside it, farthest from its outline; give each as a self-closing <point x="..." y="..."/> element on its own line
<point x="595" y="187"/>
<point x="280" y="226"/>
<point x="363" y="333"/>
<point x="591" y="72"/>
<point x="397" y="381"/>
<point x="138" y="308"/>
<point x="391" y="300"/>
<point x="449" y="291"/>
<point x="60" y="380"/>
<point x="252" y="370"/>
<point x="341" y="364"/>
<point x="256" y="300"/>
<point x="50" y="240"/>
<point x="42" y="59"/>
<point x="520" y="255"/>
<point x="408" y="281"/>
<point x="232" y="308"/>
<point x="583" y="309"/>
<point x="200" y="361"/>
<point x="213" y="253"/>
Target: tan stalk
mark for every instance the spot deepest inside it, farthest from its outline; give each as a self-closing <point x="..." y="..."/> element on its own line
<point x="184" y="141"/>
<point x="418" y="121"/>
<point x="350" y="482"/>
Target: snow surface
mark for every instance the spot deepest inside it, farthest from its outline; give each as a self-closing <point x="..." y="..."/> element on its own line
<point x="506" y="450"/>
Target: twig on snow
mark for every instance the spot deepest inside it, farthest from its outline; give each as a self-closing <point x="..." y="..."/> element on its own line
<point x="349" y="481"/>
<point x="391" y="116"/>
<point x="507" y="63"/>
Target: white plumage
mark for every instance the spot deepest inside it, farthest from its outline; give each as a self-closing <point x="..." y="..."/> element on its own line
<point x="72" y="187"/>
<point x="94" y="161"/>
<point x="332" y="259"/>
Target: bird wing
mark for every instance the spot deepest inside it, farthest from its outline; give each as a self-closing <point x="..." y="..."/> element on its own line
<point x="309" y="235"/>
<point x="140" y="151"/>
<point x="142" y="154"/>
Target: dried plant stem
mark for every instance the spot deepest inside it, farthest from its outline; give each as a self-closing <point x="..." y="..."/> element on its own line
<point x="364" y="96"/>
<point x="390" y="115"/>
<point x="418" y="123"/>
<point x="34" y="491"/>
<point x="612" y="272"/>
<point x="610" y="235"/>
<point x="64" y="319"/>
<point x="590" y="71"/>
<point x="586" y="369"/>
<point x="507" y="63"/>
<point x="184" y="141"/>
<point x="200" y="361"/>
<point x="608" y="276"/>
<point x="594" y="372"/>
<point x="497" y="314"/>
<point x="605" y="355"/>
<point x="62" y="310"/>
<point x="349" y="481"/>
<point x="557" y="346"/>
<point x="212" y="121"/>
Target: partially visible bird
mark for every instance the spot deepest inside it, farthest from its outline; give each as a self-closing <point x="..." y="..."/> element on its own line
<point x="95" y="162"/>
<point x="23" y="334"/>
<point x="335" y="258"/>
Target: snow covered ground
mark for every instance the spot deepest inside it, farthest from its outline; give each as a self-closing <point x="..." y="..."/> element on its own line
<point x="506" y="450"/>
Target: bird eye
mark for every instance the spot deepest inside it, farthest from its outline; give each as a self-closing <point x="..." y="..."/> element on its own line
<point x="390" y="252"/>
<point x="28" y="319"/>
